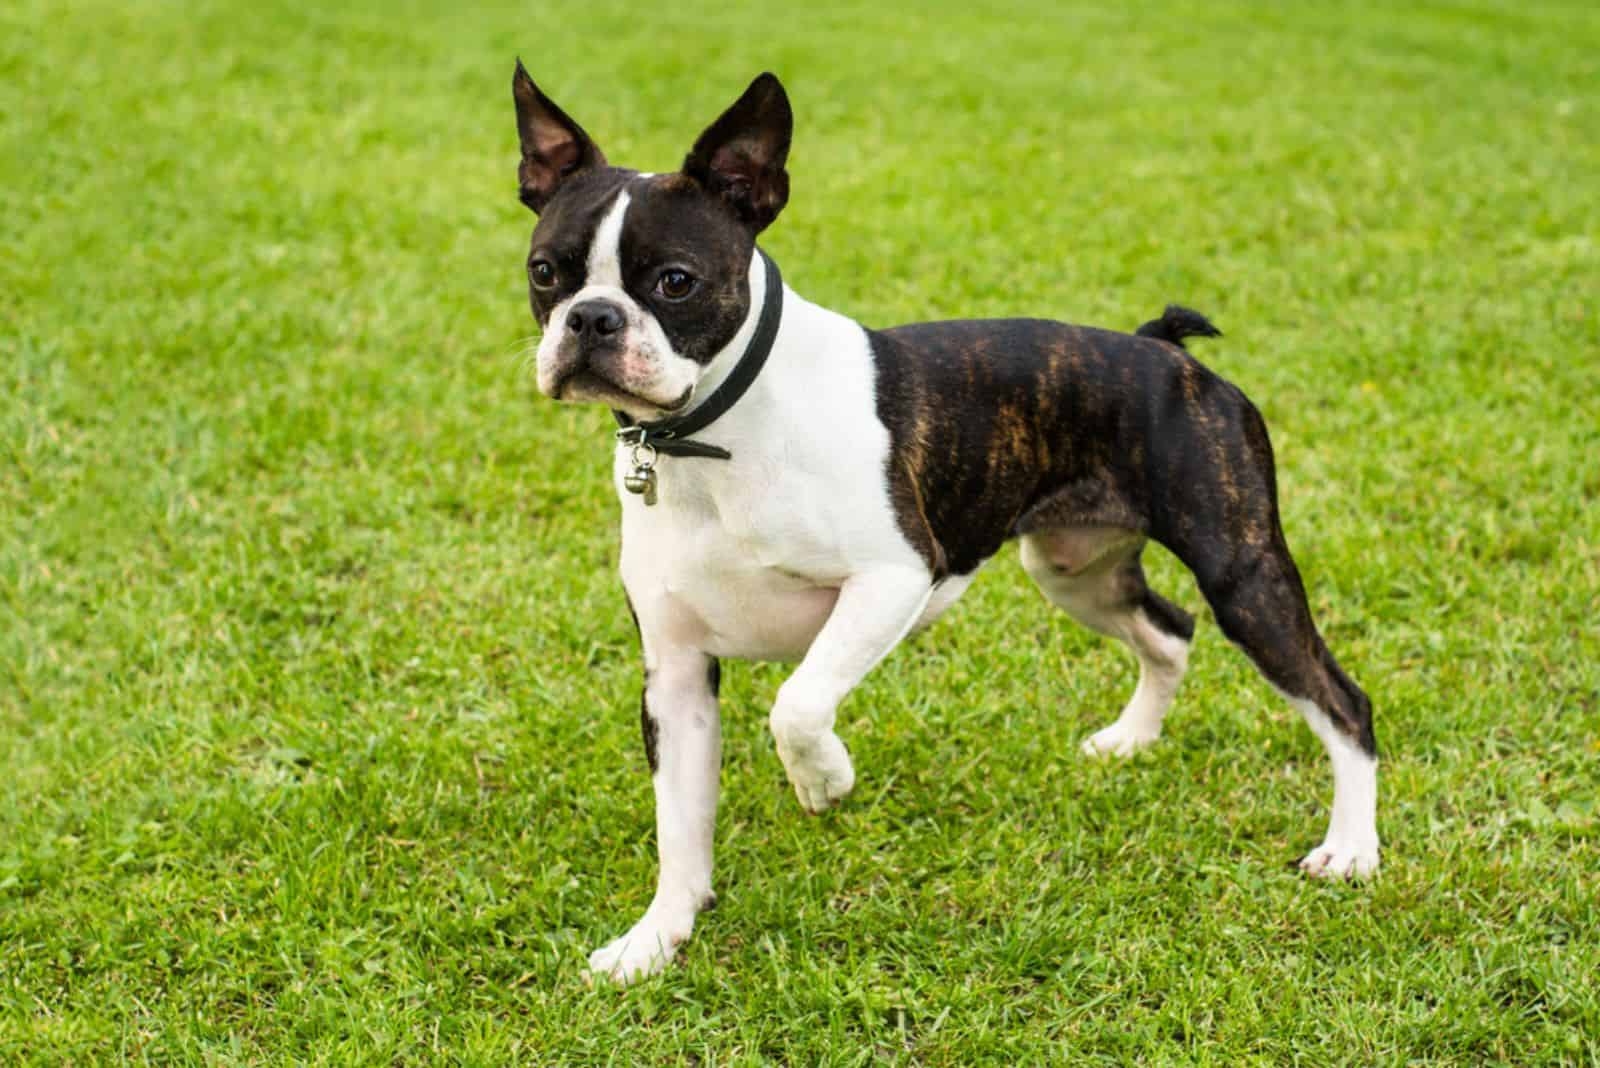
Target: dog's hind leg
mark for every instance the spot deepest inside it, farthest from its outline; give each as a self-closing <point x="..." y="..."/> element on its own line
<point x="1260" y="604"/>
<point x="1231" y="538"/>
<point x="1094" y="573"/>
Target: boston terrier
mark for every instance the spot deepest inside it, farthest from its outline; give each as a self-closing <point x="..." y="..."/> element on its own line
<point x="796" y="486"/>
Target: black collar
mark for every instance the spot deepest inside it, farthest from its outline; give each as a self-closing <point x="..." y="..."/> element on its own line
<point x="668" y="435"/>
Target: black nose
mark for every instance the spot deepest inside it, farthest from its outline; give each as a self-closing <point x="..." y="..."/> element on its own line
<point x="595" y="319"/>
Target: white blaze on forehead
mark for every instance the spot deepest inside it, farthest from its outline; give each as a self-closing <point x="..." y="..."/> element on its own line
<point x="605" y="252"/>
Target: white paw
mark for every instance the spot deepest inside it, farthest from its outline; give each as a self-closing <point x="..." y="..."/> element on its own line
<point x="821" y="772"/>
<point x="1342" y="860"/>
<point x="1120" y="740"/>
<point x="642" y="952"/>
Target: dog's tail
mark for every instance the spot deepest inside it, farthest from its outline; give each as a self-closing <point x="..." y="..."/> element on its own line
<point x="1177" y="323"/>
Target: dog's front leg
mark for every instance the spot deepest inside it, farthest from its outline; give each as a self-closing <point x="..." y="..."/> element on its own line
<point x="683" y="742"/>
<point x="874" y="611"/>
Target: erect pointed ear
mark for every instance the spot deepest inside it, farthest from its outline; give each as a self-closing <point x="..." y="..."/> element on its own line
<point x="740" y="157"/>
<point x="554" y="148"/>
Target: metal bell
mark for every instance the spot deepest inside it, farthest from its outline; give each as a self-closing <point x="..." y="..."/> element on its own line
<point x="642" y="479"/>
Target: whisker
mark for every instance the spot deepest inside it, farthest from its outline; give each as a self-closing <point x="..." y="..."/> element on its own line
<point x="519" y="346"/>
<point x="522" y="352"/>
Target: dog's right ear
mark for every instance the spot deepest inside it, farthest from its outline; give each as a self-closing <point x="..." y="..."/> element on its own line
<point x="554" y="148"/>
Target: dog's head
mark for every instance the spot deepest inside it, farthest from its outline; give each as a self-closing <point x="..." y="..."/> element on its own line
<point x="640" y="280"/>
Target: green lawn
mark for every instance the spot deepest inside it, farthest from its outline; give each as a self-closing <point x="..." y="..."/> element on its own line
<point x="318" y="697"/>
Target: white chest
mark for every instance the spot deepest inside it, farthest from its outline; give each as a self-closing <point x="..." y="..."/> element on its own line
<point x="745" y="557"/>
<point x="745" y="575"/>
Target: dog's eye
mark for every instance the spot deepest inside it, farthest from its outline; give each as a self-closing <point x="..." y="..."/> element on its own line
<point x="675" y="284"/>
<point x="542" y="273"/>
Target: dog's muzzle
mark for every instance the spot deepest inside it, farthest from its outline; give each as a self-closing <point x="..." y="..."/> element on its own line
<point x="592" y="348"/>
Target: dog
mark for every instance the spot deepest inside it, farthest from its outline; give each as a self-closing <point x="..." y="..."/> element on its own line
<point x="796" y="486"/>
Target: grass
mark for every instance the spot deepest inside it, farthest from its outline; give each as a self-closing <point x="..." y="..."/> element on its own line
<point x="318" y="738"/>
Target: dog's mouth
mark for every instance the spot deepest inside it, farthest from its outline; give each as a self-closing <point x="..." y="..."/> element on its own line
<point x="586" y="384"/>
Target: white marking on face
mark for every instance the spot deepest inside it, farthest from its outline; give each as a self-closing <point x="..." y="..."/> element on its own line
<point x="605" y="254"/>
<point x="648" y="368"/>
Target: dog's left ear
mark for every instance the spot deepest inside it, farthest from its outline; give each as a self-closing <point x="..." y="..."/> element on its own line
<point x="554" y="148"/>
<point x="740" y="157"/>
